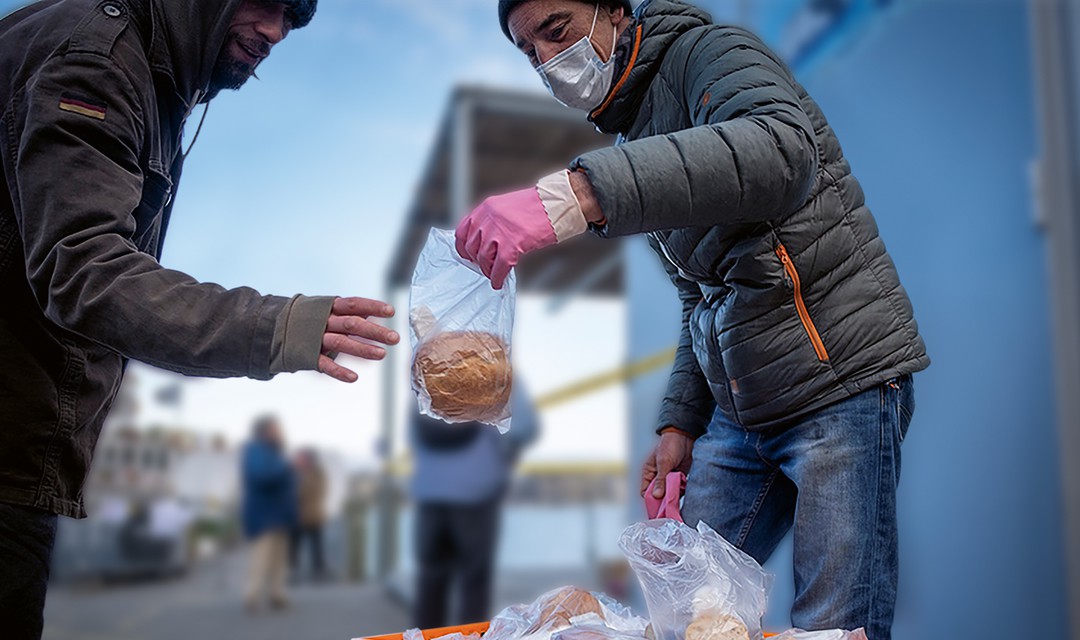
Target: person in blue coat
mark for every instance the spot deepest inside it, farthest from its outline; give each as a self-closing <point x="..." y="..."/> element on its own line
<point x="268" y="511"/>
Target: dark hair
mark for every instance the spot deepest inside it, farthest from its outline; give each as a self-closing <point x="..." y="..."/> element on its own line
<point x="262" y="425"/>
<point x="506" y="6"/>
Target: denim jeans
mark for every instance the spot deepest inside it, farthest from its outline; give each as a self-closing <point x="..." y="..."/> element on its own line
<point x="26" y="542"/>
<point x="832" y="475"/>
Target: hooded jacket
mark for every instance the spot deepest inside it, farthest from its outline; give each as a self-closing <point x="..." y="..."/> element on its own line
<point x="790" y="300"/>
<point x="93" y="99"/>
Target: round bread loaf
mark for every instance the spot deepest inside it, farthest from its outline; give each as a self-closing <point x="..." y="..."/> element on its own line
<point x="717" y="626"/>
<point x="557" y="608"/>
<point x="467" y="375"/>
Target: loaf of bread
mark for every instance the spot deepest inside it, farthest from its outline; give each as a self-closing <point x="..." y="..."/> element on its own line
<point x="557" y="608"/>
<point x="717" y="626"/>
<point x="467" y="375"/>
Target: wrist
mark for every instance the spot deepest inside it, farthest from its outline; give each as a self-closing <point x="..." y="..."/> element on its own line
<point x="676" y="430"/>
<point x="590" y="206"/>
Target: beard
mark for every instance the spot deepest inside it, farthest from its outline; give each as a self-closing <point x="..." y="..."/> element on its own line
<point x="230" y="72"/>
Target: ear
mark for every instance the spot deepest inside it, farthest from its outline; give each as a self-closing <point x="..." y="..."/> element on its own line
<point x="617" y="14"/>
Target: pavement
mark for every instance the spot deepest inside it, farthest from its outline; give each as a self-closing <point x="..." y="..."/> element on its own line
<point x="207" y="604"/>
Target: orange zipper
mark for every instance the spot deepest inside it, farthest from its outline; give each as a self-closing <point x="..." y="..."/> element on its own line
<point x="800" y="305"/>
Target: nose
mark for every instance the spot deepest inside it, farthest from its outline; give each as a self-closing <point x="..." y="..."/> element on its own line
<point x="272" y="25"/>
<point x="547" y="50"/>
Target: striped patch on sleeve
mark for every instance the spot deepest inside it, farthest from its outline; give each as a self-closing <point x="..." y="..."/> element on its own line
<point x="82" y="106"/>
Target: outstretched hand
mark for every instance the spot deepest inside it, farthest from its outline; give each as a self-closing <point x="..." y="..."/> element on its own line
<point x="349" y="330"/>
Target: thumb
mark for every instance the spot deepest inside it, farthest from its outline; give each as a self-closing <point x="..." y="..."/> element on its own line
<point x="663" y="468"/>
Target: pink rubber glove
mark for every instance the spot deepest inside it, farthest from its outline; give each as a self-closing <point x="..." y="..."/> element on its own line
<point x="501" y="230"/>
<point x="504" y="228"/>
<point x="668" y="507"/>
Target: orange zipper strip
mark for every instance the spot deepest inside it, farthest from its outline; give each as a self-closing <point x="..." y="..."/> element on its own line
<point x="800" y="305"/>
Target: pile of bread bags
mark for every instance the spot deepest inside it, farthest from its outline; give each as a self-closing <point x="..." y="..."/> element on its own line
<point x="697" y="586"/>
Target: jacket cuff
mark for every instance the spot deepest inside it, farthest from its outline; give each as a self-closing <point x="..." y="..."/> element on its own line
<point x="689" y="422"/>
<point x="298" y="334"/>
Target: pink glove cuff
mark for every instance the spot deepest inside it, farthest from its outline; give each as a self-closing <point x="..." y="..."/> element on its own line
<point x="562" y="206"/>
<point x="668" y="506"/>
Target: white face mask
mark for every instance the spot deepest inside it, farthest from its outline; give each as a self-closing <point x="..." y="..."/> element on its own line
<point x="577" y="77"/>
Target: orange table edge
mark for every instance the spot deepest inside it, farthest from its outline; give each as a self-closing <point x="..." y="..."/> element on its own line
<point x="432" y="634"/>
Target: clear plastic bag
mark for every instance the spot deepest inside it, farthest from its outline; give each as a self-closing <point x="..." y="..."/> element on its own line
<point x="460" y="332"/>
<point x="796" y="634"/>
<point x="697" y="585"/>
<point x="567" y="613"/>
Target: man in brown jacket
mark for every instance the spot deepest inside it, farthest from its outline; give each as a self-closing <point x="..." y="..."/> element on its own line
<point x="94" y="96"/>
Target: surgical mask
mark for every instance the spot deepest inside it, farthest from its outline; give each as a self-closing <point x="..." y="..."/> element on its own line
<point x="577" y="77"/>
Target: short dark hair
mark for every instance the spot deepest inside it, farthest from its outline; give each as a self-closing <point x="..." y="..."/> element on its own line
<point x="262" y="425"/>
<point x="507" y="6"/>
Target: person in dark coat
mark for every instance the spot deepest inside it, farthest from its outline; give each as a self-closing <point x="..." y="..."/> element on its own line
<point x="268" y="511"/>
<point x="792" y="386"/>
<point x="460" y="476"/>
<point x="95" y="96"/>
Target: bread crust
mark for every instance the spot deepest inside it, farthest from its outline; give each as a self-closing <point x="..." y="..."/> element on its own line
<point x="717" y="626"/>
<point x="466" y="374"/>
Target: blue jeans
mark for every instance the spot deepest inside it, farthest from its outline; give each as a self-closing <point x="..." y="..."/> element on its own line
<point x="26" y="542"/>
<point x="831" y="474"/>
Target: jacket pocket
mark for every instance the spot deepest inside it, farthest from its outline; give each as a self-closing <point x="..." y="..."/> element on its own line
<point x="156" y="193"/>
<point x="800" y="304"/>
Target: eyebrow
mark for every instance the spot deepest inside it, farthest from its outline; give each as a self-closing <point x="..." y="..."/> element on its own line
<point x="550" y="20"/>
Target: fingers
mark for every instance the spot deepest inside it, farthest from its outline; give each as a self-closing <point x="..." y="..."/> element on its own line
<point x="362" y="307"/>
<point x="648" y="472"/>
<point x="461" y="235"/>
<point x="361" y="328"/>
<point x="341" y="343"/>
<point x="335" y="370"/>
<point x="500" y="271"/>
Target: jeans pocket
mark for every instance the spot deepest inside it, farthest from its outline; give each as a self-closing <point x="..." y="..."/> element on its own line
<point x="899" y="393"/>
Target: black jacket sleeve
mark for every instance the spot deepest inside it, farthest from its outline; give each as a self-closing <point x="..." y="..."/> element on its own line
<point x="75" y="176"/>
<point x="749" y="156"/>
<point x="688" y="404"/>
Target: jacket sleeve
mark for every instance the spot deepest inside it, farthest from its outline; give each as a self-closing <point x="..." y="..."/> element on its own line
<point x="76" y="183"/>
<point x="688" y="404"/>
<point x="749" y="157"/>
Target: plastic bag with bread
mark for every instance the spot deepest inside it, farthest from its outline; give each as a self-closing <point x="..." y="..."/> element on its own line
<point x="568" y="613"/>
<point x="697" y="585"/>
<point x="460" y="329"/>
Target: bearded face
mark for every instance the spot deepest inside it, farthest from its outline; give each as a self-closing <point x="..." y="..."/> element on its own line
<point x="256" y="27"/>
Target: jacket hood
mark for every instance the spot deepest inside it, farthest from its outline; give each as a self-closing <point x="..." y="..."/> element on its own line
<point x="184" y="41"/>
<point x="657" y="25"/>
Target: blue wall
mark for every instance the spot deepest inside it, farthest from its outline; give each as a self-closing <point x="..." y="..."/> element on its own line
<point x="935" y="108"/>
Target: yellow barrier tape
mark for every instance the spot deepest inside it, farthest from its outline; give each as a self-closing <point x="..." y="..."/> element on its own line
<point x="610" y="378"/>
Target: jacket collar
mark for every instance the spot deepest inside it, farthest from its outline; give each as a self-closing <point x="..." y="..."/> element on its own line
<point x="657" y="25"/>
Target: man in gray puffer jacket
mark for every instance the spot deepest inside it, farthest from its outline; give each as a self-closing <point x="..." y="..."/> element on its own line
<point x="791" y="391"/>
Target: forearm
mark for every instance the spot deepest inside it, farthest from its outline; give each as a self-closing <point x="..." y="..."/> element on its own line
<point x="742" y="171"/>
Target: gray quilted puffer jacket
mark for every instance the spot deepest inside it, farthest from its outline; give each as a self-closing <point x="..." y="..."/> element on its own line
<point x="790" y="301"/>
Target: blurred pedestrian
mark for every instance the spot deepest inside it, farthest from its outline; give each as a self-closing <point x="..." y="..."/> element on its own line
<point x="95" y="97"/>
<point x="311" y="495"/>
<point x="268" y="512"/>
<point x="461" y="473"/>
<point x="792" y="386"/>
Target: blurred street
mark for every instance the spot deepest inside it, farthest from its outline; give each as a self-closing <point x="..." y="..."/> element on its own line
<point x="208" y="603"/>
